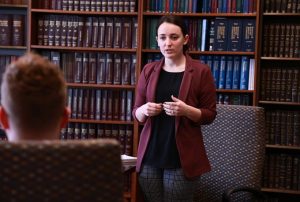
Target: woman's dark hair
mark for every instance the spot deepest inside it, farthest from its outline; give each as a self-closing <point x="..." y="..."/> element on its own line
<point x="176" y="20"/>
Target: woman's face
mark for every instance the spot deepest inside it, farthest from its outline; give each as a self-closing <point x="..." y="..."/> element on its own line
<point x="170" y="40"/>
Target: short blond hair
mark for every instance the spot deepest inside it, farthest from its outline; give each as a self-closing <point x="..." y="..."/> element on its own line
<point x="33" y="93"/>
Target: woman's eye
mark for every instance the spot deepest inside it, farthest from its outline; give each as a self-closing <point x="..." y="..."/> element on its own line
<point x="174" y="37"/>
<point x="162" y="38"/>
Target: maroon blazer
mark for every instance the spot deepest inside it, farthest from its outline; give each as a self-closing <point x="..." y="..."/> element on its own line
<point x="197" y="89"/>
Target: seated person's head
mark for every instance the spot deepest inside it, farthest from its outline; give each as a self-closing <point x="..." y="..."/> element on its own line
<point x="33" y="99"/>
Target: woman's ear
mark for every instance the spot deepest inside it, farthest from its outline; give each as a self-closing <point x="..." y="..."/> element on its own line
<point x="4" y="118"/>
<point x="186" y="39"/>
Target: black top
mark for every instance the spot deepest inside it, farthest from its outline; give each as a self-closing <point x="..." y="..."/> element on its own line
<point x="162" y="149"/>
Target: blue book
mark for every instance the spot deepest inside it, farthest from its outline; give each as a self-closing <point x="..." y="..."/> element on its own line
<point x="248" y="35"/>
<point x="245" y="6"/>
<point x="203" y="59"/>
<point x="205" y="6"/>
<point x="244" y="78"/>
<point x="209" y="62"/>
<point x="171" y="6"/>
<point x="216" y="69"/>
<point x="235" y="27"/>
<point x="222" y="74"/>
<point x="229" y="71"/>
<point x="195" y="6"/>
<point x="236" y="72"/>
<point x="220" y="38"/>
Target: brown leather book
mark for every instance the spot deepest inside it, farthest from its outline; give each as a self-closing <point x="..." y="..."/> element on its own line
<point x="134" y="33"/>
<point x="18" y="32"/>
<point x="104" y="105"/>
<point x="109" y="5"/>
<point x="92" y="67"/>
<point x="123" y="105"/>
<point x="85" y="67"/>
<point x="51" y="30"/>
<point x="74" y="103"/>
<point x="87" y="33"/>
<point x="100" y="131"/>
<point x="80" y="31"/>
<point x="75" y="31"/>
<point x="129" y="101"/>
<point x="101" y="63"/>
<point x="109" y="104"/>
<point x="40" y="31"/>
<point x="133" y="70"/>
<point x="126" y="33"/>
<point x="128" y="141"/>
<point x="109" y="33"/>
<point x="95" y="32"/>
<point x="85" y="103"/>
<point x="92" y="131"/>
<point x="117" y="69"/>
<point x="98" y="104"/>
<point x="92" y="104"/>
<point x="109" y="68"/>
<point x="101" y="32"/>
<point x="78" y="67"/>
<point x="5" y="30"/>
<point x="64" y="29"/>
<point x="117" y="32"/>
<point x="80" y="103"/>
<point x="126" y="60"/>
<point x="116" y="105"/>
<point x="57" y="30"/>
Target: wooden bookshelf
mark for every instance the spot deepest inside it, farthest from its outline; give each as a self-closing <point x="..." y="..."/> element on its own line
<point x="278" y="94"/>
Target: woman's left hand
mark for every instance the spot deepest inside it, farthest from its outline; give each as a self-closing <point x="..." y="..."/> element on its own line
<point x="175" y="108"/>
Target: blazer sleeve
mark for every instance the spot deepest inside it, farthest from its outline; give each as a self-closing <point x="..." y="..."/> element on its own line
<point x="140" y="97"/>
<point x="207" y="97"/>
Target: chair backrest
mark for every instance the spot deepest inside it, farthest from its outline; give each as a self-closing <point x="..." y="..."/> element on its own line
<point x="71" y="170"/>
<point x="235" y="144"/>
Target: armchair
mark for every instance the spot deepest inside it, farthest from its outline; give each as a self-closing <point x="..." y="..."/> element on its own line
<point x="235" y="144"/>
<point x="87" y="171"/>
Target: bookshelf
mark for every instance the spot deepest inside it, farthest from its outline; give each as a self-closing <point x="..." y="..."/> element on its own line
<point x="278" y="93"/>
<point x="95" y="44"/>
<point x="203" y="43"/>
<point x="13" y="32"/>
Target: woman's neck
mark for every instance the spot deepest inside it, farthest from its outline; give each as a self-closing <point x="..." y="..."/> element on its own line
<point x="175" y="65"/>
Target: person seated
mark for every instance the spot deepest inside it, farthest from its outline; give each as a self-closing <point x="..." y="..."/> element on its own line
<point x="33" y="99"/>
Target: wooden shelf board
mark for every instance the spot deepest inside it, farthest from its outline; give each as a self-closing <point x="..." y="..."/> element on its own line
<point x="14" y="6"/>
<point x="36" y="10"/>
<point x="201" y="14"/>
<point x="234" y="91"/>
<point x="271" y="190"/>
<point x="280" y="58"/>
<point x="269" y="146"/>
<point x="282" y="14"/>
<point x="14" y="47"/>
<point x="83" y="49"/>
<point x="279" y="103"/>
<point x="206" y="52"/>
<point x="104" y="86"/>
<point x="101" y="121"/>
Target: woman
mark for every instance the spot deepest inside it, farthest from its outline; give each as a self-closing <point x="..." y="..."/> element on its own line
<point x="175" y="96"/>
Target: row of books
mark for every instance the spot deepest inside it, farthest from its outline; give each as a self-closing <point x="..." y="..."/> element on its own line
<point x="206" y="6"/>
<point x="90" y="5"/>
<point x="280" y="84"/>
<point x="122" y="133"/>
<point x="79" y="31"/>
<point x="281" y="40"/>
<point x="231" y="72"/>
<point x="283" y="127"/>
<point x="95" y="68"/>
<point x="234" y="99"/>
<point x="12" y="30"/>
<point x="100" y="104"/>
<point x="14" y="2"/>
<point x="4" y="61"/>
<point x="282" y="6"/>
<point x="219" y="34"/>
<point x="281" y="171"/>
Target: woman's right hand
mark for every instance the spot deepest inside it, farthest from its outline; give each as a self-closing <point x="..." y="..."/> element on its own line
<point x="151" y="108"/>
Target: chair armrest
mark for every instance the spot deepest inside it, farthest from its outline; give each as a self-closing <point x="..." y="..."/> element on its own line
<point x="256" y="192"/>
